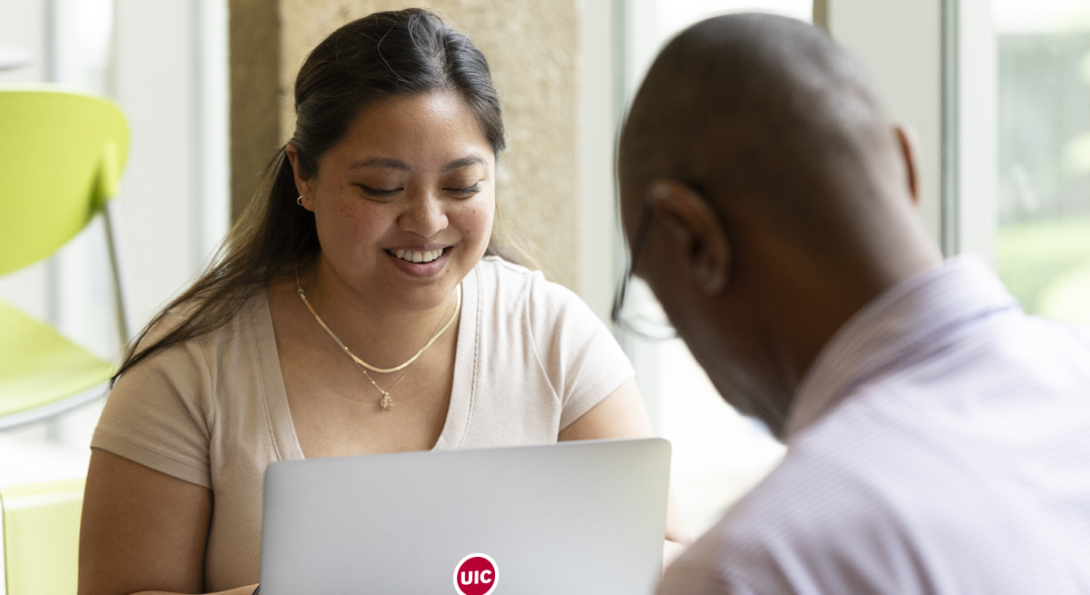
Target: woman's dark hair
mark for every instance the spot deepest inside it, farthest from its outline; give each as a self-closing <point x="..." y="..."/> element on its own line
<point x="386" y="54"/>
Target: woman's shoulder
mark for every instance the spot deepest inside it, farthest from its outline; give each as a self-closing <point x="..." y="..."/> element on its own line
<point x="514" y="292"/>
<point x="547" y="329"/>
<point x="162" y="412"/>
<point x="215" y="329"/>
<point x="515" y="283"/>
<point x="497" y="265"/>
<point x="190" y="374"/>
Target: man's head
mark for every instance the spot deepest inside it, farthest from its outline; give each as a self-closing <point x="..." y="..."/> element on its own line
<point x="779" y="198"/>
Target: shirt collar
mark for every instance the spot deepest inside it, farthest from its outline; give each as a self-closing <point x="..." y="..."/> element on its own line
<point x="910" y="317"/>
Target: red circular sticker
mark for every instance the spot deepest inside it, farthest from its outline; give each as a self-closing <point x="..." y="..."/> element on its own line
<point x="476" y="574"/>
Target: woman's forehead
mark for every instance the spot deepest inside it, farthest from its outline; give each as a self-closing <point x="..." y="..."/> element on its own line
<point x="435" y="127"/>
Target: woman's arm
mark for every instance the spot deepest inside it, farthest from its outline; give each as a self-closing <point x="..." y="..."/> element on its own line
<point x="142" y="531"/>
<point x="623" y="415"/>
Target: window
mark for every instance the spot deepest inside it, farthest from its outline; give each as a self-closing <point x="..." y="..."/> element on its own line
<point x="165" y="63"/>
<point x="1043" y="244"/>
<point x="1003" y="119"/>
<point x="717" y="454"/>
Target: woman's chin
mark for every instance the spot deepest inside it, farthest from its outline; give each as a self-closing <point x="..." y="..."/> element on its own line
<point x="422" y="300"/>
<point x="424" y="286"/>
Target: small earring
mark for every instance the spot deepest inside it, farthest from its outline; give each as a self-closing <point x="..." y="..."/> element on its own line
<point x="299" y="201"/>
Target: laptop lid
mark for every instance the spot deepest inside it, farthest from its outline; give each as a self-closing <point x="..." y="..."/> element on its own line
<point x="580" y="518"/>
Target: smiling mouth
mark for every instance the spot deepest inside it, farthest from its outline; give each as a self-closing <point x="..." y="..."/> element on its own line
<point x="417" y="257"/>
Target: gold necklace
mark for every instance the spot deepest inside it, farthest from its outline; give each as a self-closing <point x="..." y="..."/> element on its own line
<point x="385" y="402"/>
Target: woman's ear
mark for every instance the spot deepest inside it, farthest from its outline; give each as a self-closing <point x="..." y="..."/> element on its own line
<point x="695" y="229"/>
<point x="301" y="184"/>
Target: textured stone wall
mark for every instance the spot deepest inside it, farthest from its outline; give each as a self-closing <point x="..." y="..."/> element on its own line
<point x="254" y="30"/>
<point x="531" y="46"/>
<point x="821" y="14"/>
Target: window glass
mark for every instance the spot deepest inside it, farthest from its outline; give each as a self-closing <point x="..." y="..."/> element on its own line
<point x="1043" y="245"/>
<point x="165" y="64"/>
<point x="718" y="455"/>
<point x="77" y="37"/>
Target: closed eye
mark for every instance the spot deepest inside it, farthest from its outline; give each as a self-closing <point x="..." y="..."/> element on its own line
<point x="378" y="192"/>
<point x="467" y="191"/>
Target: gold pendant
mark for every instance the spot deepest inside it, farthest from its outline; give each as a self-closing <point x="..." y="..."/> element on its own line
<point x="385" y="402"/>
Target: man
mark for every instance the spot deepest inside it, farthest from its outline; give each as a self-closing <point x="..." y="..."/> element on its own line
<point x="938" y="439"/>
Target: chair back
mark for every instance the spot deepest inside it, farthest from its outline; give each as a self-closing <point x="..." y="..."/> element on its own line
<point x="61" y="156"/>
<point x="39" y="549"/>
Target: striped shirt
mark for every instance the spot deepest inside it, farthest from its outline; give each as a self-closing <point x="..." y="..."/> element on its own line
<point x="939" y="444"/>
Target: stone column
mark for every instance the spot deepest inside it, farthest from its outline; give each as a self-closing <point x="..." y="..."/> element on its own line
<point x="821" y="14"/>
<point x="254" y="54"/>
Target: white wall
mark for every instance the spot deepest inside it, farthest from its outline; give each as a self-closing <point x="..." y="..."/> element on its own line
<point x="717" y="454"/>
<point x="978" y="129"/>
<point x="23" y="26"/>
<point x="901" y="44"/>
<point x="154" y="69"/>
<point x="165" y="63"/>
<point x="598" y="120"/>
<point x="171" y="81"/>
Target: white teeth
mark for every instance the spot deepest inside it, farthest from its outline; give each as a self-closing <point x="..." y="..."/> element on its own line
<point x="418" y="257"/>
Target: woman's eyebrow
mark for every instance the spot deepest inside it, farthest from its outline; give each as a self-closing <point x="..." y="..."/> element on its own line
<point x="463" y="162"/>
<point x="386" y="163"/>
<point x="382" y="162"/>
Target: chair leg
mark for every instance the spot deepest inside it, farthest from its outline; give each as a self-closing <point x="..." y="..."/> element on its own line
<point x="112" y="216"/>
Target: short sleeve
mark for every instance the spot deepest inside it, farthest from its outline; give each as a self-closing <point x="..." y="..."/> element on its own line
<point x="159" y="415"/>
<point x="583" y="361"/>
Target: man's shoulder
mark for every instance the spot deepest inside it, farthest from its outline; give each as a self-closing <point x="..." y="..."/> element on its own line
<point x="871" y="496"/>
<point x="815" y="496"/>
<point x="753" y="547"/>
<point x="803" y="529"/>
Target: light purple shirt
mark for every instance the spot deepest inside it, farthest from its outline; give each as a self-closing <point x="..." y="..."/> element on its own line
<point x="939" y="444"/>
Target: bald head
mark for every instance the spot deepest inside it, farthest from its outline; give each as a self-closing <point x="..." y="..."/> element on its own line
<point x="764" y="109"/>
<point x="773" y="199"/>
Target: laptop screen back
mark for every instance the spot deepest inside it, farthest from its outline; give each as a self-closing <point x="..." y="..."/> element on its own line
<point x="574" y="517"/>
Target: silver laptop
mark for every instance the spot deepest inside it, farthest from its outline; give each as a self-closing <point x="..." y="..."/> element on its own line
<point x="579" y="518"/>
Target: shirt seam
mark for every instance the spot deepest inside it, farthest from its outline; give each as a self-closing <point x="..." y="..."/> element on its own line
<point x="210" y="417"/>
<point x="528" y="319"/>
<point x="476" y="359"/>
<point x="252" y="338"/>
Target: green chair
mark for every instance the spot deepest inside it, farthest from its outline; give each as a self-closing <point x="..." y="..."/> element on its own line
<point x="39" y="538"/>
<point x="61" y="156"/>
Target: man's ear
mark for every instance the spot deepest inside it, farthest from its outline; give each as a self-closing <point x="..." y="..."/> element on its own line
<point x="907" y="141"/>
<point x="695" y="228"/>
<point x="301" y="184"/>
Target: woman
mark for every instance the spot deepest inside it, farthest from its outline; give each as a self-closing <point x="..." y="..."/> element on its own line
<point x="351" y="313"/>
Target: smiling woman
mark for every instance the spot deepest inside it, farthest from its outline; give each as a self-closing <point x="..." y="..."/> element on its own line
<point x="403" y="202"/>
<point x="359" y="306"/>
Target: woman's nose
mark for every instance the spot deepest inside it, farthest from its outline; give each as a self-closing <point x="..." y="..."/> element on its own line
<point x="425" y="215"/>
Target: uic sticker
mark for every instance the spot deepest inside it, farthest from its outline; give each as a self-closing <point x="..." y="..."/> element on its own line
<point x="476" y="574"/>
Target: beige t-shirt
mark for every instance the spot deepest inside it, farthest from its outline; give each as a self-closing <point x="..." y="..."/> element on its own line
<point x="531" y="358"/>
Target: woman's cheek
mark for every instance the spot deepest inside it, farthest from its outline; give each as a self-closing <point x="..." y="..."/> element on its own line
<point x="485" y="212"/>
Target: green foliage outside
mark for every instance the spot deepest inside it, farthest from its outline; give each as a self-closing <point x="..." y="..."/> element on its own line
<point x="1046" y="265"/>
